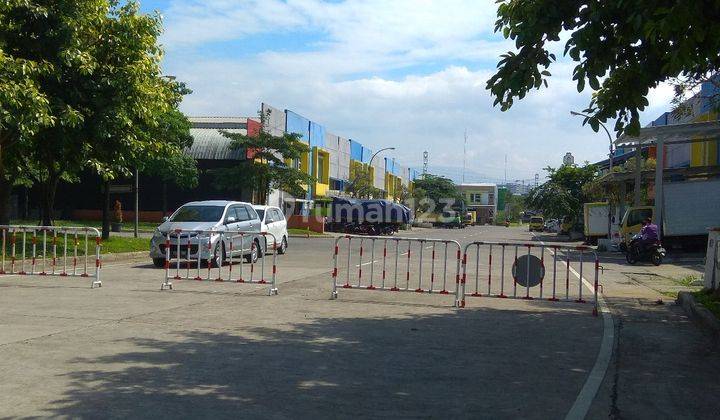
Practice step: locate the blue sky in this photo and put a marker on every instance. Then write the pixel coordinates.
(403, 73)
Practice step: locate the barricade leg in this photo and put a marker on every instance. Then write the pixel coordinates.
(334, 294)
(459, 288)
(98, 264)
(167, 283)
(273, 285)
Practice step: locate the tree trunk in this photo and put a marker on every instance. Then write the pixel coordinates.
(106, 212)
(49, 188)
(5, 189)
(164, 198)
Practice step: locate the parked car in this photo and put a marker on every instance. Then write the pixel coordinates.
(273, 221)
(537, 223)
(217, 216)
(552, 226)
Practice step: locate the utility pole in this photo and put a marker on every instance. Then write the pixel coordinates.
(137, 201)
(464, 155)
(505, 168)
(611, 158)
(426, 155)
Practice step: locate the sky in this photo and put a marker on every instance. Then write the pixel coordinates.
(410, 74)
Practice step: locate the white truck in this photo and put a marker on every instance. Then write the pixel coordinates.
(595, 222)
(690, 208)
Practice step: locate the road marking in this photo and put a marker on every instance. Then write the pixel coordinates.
(587, 394)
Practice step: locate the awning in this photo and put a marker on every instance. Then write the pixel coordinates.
(676, 133)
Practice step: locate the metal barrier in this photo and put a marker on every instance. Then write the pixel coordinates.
(44, 262)
(390, 277)
(527, 271)
(195, 247)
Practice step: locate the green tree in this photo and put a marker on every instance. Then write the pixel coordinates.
(514, 205)
(565, 191)
(60, 34)
(268, 168)
(133, 121)
(107, 99)
(622, 50)
(403, 195)
(361, 183)
(432, 192)
(178, 168)
(24, 110)
(35, 50)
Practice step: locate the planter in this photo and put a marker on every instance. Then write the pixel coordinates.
(116, 227)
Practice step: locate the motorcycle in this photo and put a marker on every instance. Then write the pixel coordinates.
(653, 252)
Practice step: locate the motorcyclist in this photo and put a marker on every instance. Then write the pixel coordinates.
(648, 235)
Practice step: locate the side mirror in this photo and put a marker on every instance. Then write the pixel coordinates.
(230, 219)
(165, 218)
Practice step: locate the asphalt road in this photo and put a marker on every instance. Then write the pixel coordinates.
(222, 350)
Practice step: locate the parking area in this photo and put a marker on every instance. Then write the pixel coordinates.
(229, 350)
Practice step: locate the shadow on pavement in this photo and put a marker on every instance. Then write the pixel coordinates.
(663, 366)
(474, 363)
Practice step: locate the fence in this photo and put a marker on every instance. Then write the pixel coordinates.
(397, 270)
(526, 278)
(186, 248)
(43, 259)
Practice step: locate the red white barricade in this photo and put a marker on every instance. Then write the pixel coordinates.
(520, 270)
(192, 255)
(397, 265)
(79, 246)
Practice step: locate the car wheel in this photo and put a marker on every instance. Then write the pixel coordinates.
(283, 246)
(218, 258)
(253, 256)
(159, 262)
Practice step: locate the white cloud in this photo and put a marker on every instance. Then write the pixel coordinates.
(194, 22)
(425, 111)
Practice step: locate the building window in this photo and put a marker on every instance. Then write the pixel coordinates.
(321, 169)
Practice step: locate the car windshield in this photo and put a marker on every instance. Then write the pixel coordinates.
(198, 214)
(536, 220)
(260, 213)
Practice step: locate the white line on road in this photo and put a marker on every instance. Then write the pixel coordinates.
(584, 400)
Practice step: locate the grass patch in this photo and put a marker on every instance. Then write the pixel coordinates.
(709, 300)
(672, 295)
(113, 245)
(303, 231)
(689, 281)
(119, 244)
(128, 226)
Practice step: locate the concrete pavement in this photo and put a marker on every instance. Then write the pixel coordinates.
(227, 350)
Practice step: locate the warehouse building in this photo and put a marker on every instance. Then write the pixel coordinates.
(332, 160)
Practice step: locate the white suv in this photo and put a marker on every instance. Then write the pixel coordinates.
(273, 221)
(198, 218)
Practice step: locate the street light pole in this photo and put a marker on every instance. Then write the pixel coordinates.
(355, 178)
(610, 170)
(580, 114)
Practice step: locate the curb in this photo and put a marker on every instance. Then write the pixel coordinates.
(310, 236)
(700, 315)
(124, 256)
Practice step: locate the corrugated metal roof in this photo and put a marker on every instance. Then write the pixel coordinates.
(210, 144)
